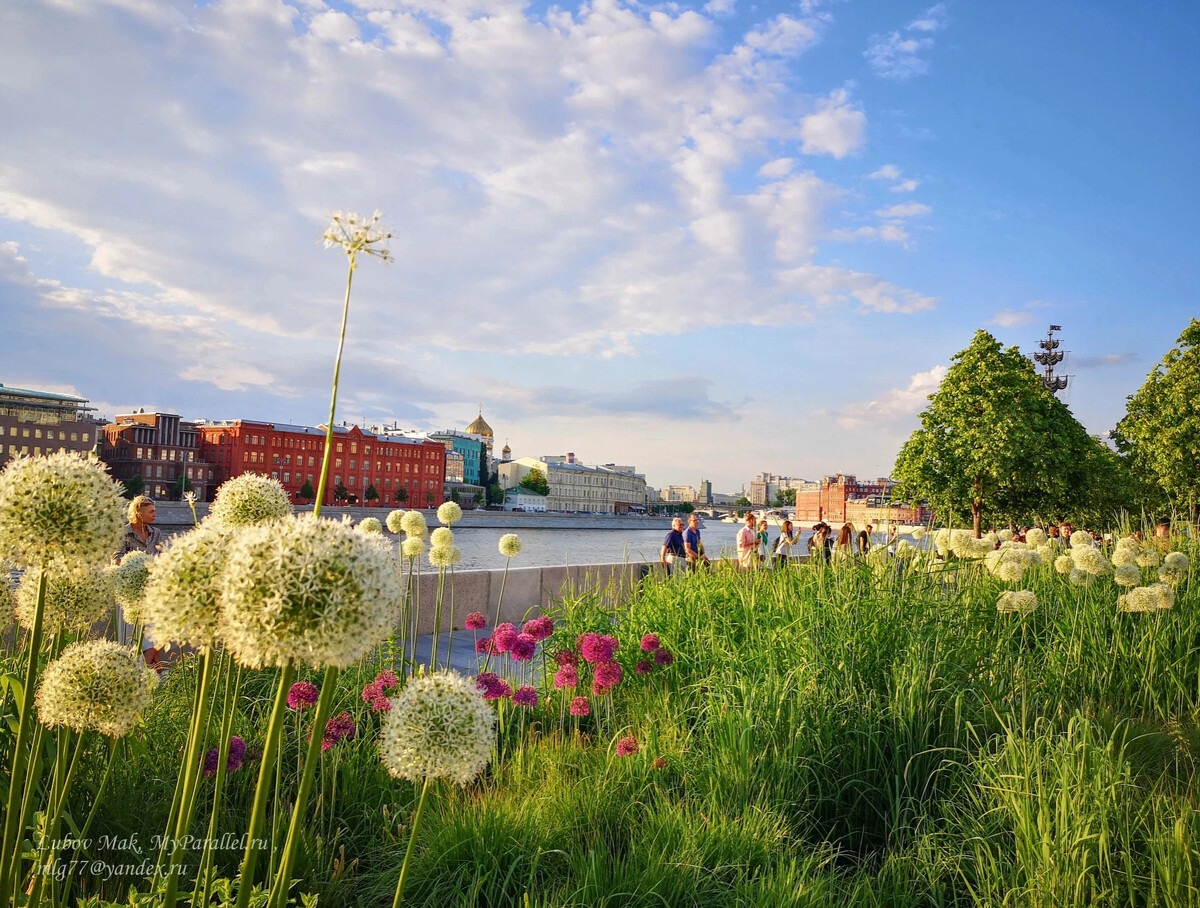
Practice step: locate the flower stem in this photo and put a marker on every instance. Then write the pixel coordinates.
(412, 841)
(337, 371)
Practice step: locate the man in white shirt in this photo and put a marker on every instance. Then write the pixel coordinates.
(747, 542)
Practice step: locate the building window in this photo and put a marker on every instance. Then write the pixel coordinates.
(354, 447)
(351, 480)
(287, 477)
(337, 461)
(339, 447)
(37, 433)
(158, 472)
(351, 463)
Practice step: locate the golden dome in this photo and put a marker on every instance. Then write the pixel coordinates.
(480, 426)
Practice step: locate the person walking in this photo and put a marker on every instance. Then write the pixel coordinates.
(783, 545)
(864, 540)
(845, 542)
(747, 542)
(693, 547)
(761, 536)
(672, 554)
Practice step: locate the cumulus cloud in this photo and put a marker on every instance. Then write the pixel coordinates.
(908, 210)
(837, 127)
(899, 54)
(1010, 318)
(894, 405)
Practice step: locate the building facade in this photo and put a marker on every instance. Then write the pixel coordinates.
(33, 423)
(522, 499)
(375, 470)
(829, 499)
(164, 450)
(576, 488)
(472, 448)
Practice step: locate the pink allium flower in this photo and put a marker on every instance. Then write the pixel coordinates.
(539, 628)
(302, 695)
(503, 691)
(525, 696)
(523, 648)
(566, 657)
(650, 643)
(492, 687)
(644, 667)
(237, 754)
(663, 657)
(611, 641)
(483, 646)
(608, 674)
(340, 728)
(567, 676)
(659, 763)
(580, 706)
(386, 679)
(627, 746)
(596, 648)
(476, 621)
(599, 690)
(382, 705)
(504, 636)
(372, 692)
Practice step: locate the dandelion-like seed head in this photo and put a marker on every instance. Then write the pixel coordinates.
(60, 509)
(413, 524)
(449, 513)
(412, 547)
(75, 599)
(439, 727)
(356, 235)
(99, 686)
(306, 590)
(510, 545)
(181, 599)
(1127, 575)
(371, 526)
(129, 578)
(1017, 601)
(248, 500)
(1036, 537)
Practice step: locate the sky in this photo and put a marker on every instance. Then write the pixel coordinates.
(707, 239)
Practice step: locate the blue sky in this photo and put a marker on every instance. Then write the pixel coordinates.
(707, 239)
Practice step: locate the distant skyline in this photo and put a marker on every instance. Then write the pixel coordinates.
(708, 239)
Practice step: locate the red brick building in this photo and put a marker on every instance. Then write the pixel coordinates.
(843, 497)
(161, 448)
(360, 461)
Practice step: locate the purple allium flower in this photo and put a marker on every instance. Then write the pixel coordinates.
(476, 621)
(580, 706)
(523, 648)
(607, 674)
(649, 643)
(611, 641)
(237, 748)
(372, 692)
(340, 728)
(503, 690)
(485, 680)
(237, 753)
(504, 636)
(381, 705)
(525, 696)
(539, 628)
(492, 687)
(567, 676)
(483, 646)
(596, 648)
(627, 746)
(599, 690)
(210, 762)
(302, 695)
(644, 667)
(386, 678)
(566, 657)
(663, 657)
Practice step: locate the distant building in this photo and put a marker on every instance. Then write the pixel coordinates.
(43, 422)
(164, 450)
(836, 499)
(766, 486)
(574, 487)
(523, 499)
(704, 494)
(678, 493)
(471, 447)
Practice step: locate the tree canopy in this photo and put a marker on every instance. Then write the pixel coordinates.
(1161, 428)
(995, 443)
(536, 481)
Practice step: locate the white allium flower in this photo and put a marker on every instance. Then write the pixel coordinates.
(1046, 551)
(1036, 537)
(449, 513)
(1082, 539)
(99, 685)
(1063, 564)
(1127, 575)
(941, 541)
(991, 540)
(306, 590)
(905, 549)
(1165, 595)
(438, 728)
(1021, 601)
(247, 500)
(510, 545)
(918, 533)
(1148, 558)
(1090, 559)
(395, 521)
(962, 543)
(1174, 569)
(182, 597)
(413, 524)
(129, 578)
(1009, 571)
(441, 538)
(1153, 598)
(412, 547)
(1080, 578)
(358, 234)
(1124, 554)
(444, 556)
(75, 599)
(371, 526)
(1005, 535)
(61, 509)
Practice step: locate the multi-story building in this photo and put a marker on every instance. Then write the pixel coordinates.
(704, 494)
(163, 450)
(375, 470)
(677, 493)
(828, 499)
(42, 422)
(574, 487)
(765, 486)
(472, 448)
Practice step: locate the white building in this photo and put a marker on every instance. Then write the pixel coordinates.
(576, 488)
(522, 499)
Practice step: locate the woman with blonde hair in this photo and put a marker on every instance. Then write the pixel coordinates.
(141, 535)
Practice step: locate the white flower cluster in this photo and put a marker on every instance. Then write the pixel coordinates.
(413, 524)
(449, 513)
(1127, 575)
(1005, 535)
(1080, 578)
(412, 547)
(1148, 557)
(1126, 551)
(129, 578)
(1063, 564)
(394, 521)
(99, 685)
(444, 556)
(306, 590)
(60, 509)
(510, 545)
(441, 538)
(1090, 560)
(438, 728)
(904, 549)
(1017, 601)
(356, 233)
(371, 526)
(75, 599)
(1174, 569)
(1082, 539)
(248, 500)
(1036, 537)
(918, 533)
(1011, 560)
(182, 597)
(1154, 598)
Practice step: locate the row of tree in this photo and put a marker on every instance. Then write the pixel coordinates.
(995, 444)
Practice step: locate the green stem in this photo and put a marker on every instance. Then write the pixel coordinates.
(337, 370)
(58, 801)
(10, 855)
(203, 882)
(262, 792)
(311, 761)
(437, 618)
(412, 841)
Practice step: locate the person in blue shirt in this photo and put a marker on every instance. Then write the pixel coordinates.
(692, 545)
(673, 554)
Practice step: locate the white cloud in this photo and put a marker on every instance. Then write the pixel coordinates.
(907, 210)
(886, 172)
(837, 128)
(1009, 318)
(893, 406)
(898, 54)
(828, 286)
(784, 36)
(905, 186)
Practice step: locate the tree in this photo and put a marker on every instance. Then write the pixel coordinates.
(134, 486)
(994, 442)
(306, 491)
(785, 497)
(339, 492)
(401, 496)
(536, 481)
(477, 498)
(429, 499)
(1161, 428)
(182, 484)
(454, 496)
(370, 494)
(495, 494)
(741, 502)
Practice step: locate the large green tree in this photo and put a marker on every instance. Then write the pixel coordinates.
(536, 481)
(1161, 428)
(995, 443)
